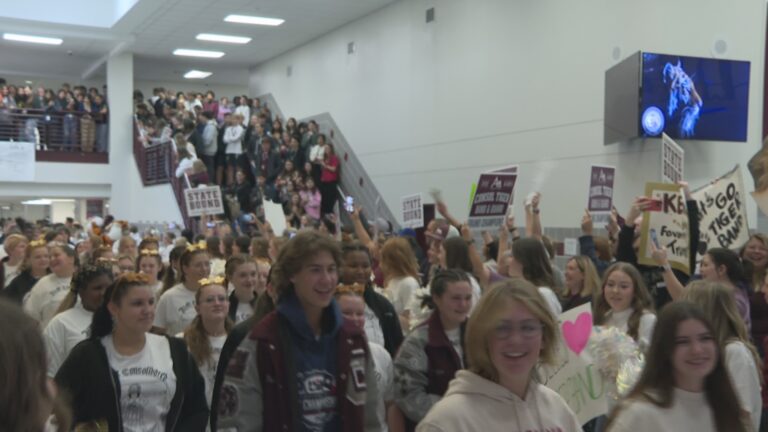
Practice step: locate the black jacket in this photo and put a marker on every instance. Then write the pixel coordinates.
(94, 388)
(652, 275)
(19, 287)
(388, 319)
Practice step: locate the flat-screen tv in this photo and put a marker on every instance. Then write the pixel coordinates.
(685, 97)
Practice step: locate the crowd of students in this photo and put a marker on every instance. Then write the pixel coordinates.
(77, 116)
(373, 332)
(245, 149)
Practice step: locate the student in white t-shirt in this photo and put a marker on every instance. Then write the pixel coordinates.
(741, 358)
(176, 307)
(124, 378)
(73, 320)
(401, 276)
(150, 263)
(352, 306)
(44, 299)
(243, 273)
(206, 335)
(684, 385)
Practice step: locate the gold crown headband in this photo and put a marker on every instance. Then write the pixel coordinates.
(200, 246)
(354, 289)
(149, 252)
(37, 243)
(216, 280)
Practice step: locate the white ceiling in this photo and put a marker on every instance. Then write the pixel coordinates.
(152, 29)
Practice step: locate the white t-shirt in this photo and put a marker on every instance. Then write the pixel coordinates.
(476, 292)
(157, 288)
(208, 369)
(372, 327)
(175, 309)
(10, 273)
(620, 320)
(45, 297)
(742, 370)
(384, 370)
(554, 304)
(218, 267)
(689, 412)
(63, 332)
(147, 383)
(399, 291)
(244, 311)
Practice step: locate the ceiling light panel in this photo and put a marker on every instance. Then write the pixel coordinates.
(32, 39)
(198, 53)
(196, 74)
(210, 37)
(255, 20)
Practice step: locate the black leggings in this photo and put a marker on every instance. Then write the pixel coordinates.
(328, 195)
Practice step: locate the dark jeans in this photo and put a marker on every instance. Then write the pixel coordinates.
(328, 196)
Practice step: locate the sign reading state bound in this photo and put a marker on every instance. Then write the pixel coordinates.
(204, 200)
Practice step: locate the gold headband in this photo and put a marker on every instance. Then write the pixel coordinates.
(149, 252)
(200, 246)
(216, 280)
(37, 243)
(354, 289)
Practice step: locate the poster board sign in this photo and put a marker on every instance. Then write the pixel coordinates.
(575, 377)
(93, 208)
(600, 200)
(491, 200)
(17, 161)
(667, 226)
(204, 200)
(412, 212)
(672, 158)
(722, 212)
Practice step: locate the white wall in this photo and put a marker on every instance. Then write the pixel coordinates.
(496, 82)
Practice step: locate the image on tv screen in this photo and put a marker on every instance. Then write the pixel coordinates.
(694, 98)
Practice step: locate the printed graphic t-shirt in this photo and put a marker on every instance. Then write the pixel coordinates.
(147, 383)
(175, 309)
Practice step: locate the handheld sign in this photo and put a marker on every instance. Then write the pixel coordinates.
(575, 376)
(204, 200)
(600, 200)
(491, 199)
(413, 215)
(666, 224)
(722, 213)
(672, 158)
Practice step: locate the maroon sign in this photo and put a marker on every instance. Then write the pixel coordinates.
(601, 189)
(491, 200)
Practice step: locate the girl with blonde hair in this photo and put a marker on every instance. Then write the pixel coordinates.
(510, 333)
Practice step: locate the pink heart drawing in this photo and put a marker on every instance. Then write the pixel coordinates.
(577, 333)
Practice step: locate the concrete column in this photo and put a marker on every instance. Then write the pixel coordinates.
(121, 162)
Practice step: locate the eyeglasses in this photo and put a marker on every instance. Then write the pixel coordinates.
(526, 329)
(214, 299)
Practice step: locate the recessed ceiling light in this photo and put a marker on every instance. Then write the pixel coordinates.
(198, 53)
(196, 74)
(32, 39)
(223, 38)
(245, 19)
(40, 201)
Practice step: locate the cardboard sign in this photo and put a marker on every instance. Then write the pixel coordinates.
(575, 376)
(666, 226)
(600, 200)
(672, 158)
(413, 215)
(17, 161)
(204, 200)
(491, 199)
(722, 213)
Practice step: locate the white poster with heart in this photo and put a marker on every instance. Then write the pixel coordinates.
(575, 376)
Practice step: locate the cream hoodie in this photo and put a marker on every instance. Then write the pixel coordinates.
(473, 403)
